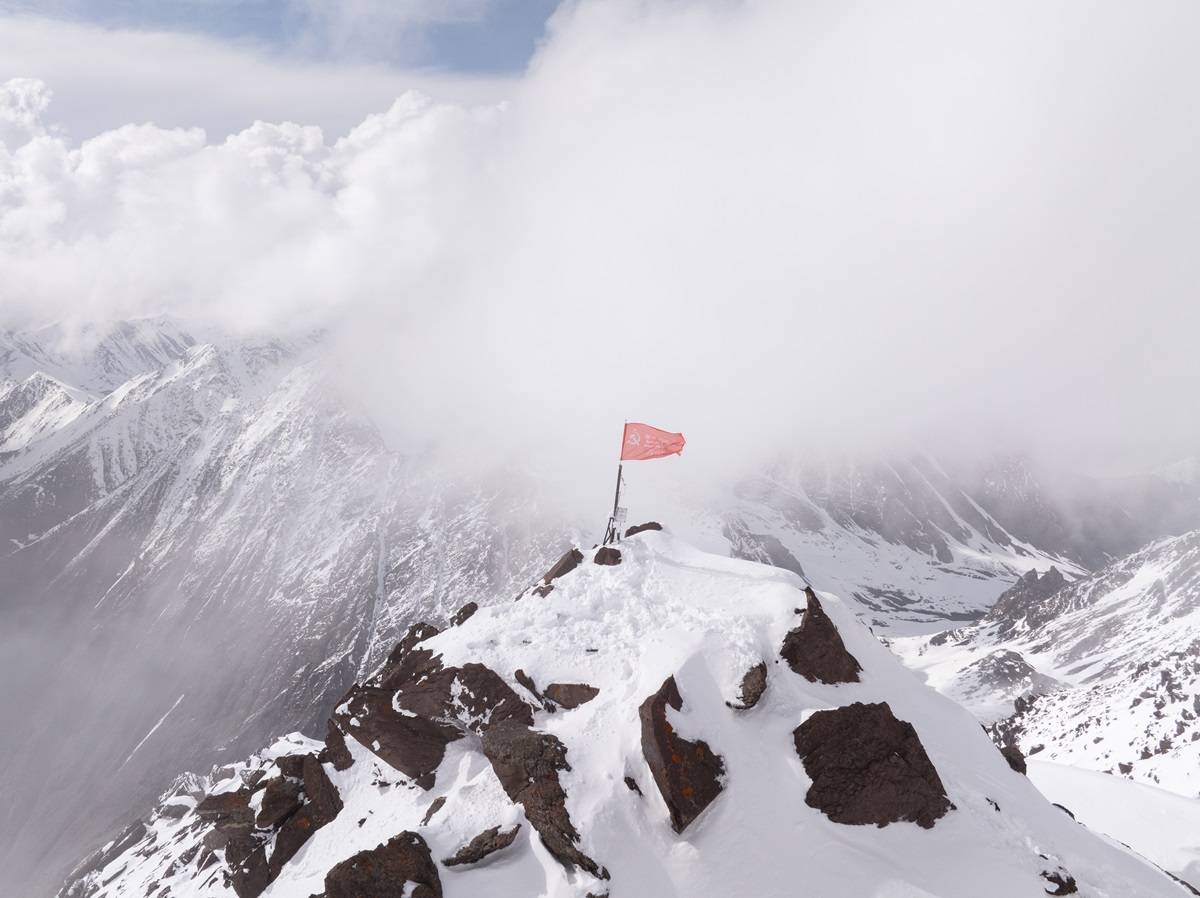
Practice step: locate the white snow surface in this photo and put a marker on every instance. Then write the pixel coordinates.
(1159, 825)
(669, 609)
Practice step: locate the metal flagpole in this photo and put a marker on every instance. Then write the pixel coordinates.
(610, 535)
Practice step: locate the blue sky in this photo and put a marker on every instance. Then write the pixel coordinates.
(467, 36)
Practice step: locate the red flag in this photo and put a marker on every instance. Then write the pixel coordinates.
(642, 442)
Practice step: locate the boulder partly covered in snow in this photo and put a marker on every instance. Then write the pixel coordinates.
(687, 773)
(869, 767)
(815, 649)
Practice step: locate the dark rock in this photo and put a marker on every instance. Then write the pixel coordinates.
(291, 765)
(413, 745)
(527, 763)
(486, 843)
(754, 684)
(567, 563)
(632, 785)
(686, 773)
(527, 681)
(386, 871)
(249, 873)
(1064, 809)
(1016, 760)
(335, 751)
(227, 808)
(869, 767)
(1126, 769)
(281, 798)
(640, 528)
(607, 555)
(437, 804)
(1061, 882)
(421, 707)
(321, 794)
(467, 696)
(815, 649)
(407, 661)
(571, 695)
(463, 614)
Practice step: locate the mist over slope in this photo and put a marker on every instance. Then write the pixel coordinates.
(206, 554)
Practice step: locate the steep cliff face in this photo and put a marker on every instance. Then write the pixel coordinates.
(1104, 671)
(452, 772)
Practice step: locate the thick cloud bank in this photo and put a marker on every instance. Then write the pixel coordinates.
(756, 222)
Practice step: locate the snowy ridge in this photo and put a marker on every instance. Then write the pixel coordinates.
(904, 542)
(1113, 660)
(663, 610)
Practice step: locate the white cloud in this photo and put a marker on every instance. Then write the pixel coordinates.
(105, 78)
(754, 222)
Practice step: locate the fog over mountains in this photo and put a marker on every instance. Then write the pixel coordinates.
(207, 541)
(917, 284)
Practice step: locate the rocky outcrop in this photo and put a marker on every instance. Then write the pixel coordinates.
(688, 774)
(607, 555)
(641, 528)
(335, 751)
(567, 563)
(281, 798)
(486, 843)
(1014, 757)
(867, 766)
(527, 763)
(571, 695)
(754, 684)
(416, 707)
(463, 614)
(295, 804)
(815, 649)
(401, 866)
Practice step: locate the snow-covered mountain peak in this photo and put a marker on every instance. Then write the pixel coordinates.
(647, 720)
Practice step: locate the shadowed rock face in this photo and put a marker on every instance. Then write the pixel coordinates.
(415, 707)
(571, 695)
(463, 614)
(641, 528)
(527, 764)
(815, 649)
(567, 563)
(607, 555)
(386, 872)
(1016, 760)
(754, 684)
(486, 843)
(688, 774)
(294, 806)
(335, 751)
(869, 767)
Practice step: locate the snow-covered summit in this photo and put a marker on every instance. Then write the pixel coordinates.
(646, 721)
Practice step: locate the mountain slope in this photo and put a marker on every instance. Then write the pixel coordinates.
(1113, 661)
(1157, 824)
(643, 778)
